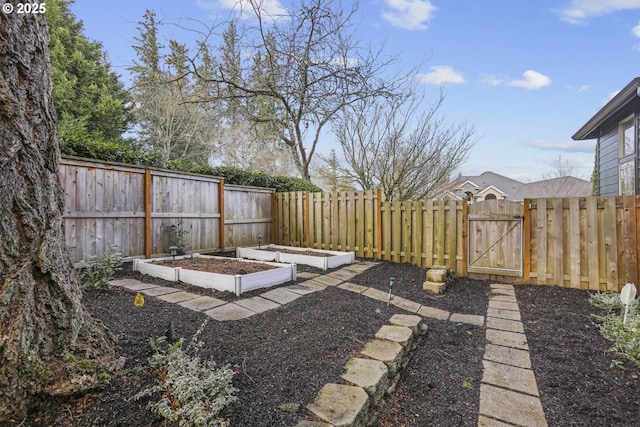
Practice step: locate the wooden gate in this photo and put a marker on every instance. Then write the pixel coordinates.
(495, 238)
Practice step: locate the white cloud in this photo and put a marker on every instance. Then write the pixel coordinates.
(580, 11)
(531, 80)
(587, 146)
(491, 80)
(270, 9)
(636, 30)
(441, 74)
(409, 14)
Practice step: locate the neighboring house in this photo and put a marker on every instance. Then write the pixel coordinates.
(615, 127)
(486, 186)
(490, 185)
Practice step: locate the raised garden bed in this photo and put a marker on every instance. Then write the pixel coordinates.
(314, 257)
(220, 273)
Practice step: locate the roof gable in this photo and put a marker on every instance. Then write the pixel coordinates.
(620, 106)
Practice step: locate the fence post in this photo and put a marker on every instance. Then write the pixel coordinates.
(379, 224)
(464, 226)
(148, 235)
(305, 215)
(526, 243)
(274, 218)
(221, 208)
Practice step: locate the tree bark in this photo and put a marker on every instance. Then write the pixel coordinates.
(42, 320)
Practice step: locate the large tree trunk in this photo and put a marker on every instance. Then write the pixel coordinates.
(41, 318)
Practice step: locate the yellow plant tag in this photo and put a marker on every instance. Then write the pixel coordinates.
(139, 300)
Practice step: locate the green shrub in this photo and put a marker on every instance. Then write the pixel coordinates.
(99, 272)
(191, 392)
(121, 152)
(112, 151)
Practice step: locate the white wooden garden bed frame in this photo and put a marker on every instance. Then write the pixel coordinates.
(238, 283)
(335, 260)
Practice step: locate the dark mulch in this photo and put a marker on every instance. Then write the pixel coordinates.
(286, 355)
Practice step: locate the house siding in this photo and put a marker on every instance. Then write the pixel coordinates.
(608, 169)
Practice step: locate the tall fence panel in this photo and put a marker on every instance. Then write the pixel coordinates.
(143, 211)
(188, 205)
(102, 205)
(586, 243)
(422, 233)
(247, 215)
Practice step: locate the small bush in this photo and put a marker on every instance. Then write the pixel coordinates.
(99, 272)
(192, 392)
(625, 337)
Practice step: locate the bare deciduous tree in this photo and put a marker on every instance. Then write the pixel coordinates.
(395, 145)
(313, 68)
(561, 167)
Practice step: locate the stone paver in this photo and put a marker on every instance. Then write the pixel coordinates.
(371, 375)
(341, 405)
(501, 305)
(280, 295)
(505, 324)
(177, 297)
(342, 275)
(313, 283)
(504, 314)
(434, 313)
(257, 304)
(229, 312)
(377, 294)
(132, 284)
(159, 290)
(353, 287)
(400, 334)
(507, 339)
(502, 291)
(306, 275)
(301, 289)
(510, 377)
(202, 303)
(505, 298)
(405, 304)
(385, 351)
(522, 409)
(329, 281)
(484, 421)
(407, 320)
(472, 319)
(512, 356)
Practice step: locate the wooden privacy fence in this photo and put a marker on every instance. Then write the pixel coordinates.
(423, 233)
(587, 243)
(139, 209)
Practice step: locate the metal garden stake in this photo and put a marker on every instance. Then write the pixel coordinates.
(391, 279)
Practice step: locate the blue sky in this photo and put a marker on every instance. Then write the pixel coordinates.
(526, 73)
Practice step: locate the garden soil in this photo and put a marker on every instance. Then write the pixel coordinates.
(284, 356)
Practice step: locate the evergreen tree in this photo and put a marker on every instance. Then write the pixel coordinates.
(90, 100)
(167, 114)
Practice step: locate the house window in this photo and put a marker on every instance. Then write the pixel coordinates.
(490, 196)
(627, 178)
(626, 137)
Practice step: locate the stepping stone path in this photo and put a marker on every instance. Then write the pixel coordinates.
(508, 393)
